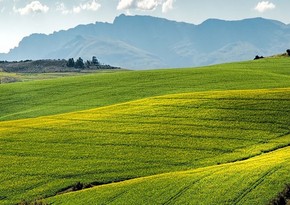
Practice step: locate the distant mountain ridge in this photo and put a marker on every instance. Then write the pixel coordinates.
(145, 42)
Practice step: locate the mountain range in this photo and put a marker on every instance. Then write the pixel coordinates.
(145, 42)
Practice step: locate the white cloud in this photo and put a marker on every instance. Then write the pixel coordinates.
(145, 5)
(264, 6)
(76, 9)
(62, 8)
(125, 4)
(167, 6)
(88, 6)
(91, 6)
(33, 7)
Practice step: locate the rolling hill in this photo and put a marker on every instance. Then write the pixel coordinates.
(91, 91)
(210, 135)
(143, 42)
(254, 181)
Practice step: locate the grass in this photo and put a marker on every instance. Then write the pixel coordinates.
(254, 181)
(41, 156)
(194, 124)
(9, 77)
(29, 99)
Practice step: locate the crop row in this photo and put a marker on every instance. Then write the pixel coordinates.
(41, 156)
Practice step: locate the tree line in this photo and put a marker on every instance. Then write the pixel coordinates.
(71, 63)
(79, 63)
(260, 57)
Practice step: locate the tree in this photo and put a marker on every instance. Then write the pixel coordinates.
(95, 61)
(88, 64)
(79, 63)
(71, 63)
(258, 57)
(288, 52)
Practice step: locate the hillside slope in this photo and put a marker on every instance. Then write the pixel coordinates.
(44, 155)
(255, 181)
(104, 128)
(30, 99)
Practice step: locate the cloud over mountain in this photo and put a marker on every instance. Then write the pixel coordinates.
(167, 5)
(92, 5)
(88, 6)
(32, 7)
(264, 6)
(145, 5)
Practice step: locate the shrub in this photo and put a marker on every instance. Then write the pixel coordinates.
(282, 197)
(258, 57)
(35, 202)
(78, 186)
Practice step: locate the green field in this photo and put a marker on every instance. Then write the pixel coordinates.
(250, 182)
(9, 77)
(22, 100)
(212, 135)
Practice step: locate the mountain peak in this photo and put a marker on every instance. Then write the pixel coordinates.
(256, 19)
(143, 19)
(143, 42)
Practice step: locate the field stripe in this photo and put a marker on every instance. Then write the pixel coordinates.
(254, 185)
(180, 192)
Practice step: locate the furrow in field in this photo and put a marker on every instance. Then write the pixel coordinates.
(254, 185)
(231, 183)
(142, 138)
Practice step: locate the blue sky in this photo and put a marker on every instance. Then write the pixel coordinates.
(20, 18)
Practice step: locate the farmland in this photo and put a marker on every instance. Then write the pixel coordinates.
(10, 77)
(29, 99)
(164, 137)
(252, 181)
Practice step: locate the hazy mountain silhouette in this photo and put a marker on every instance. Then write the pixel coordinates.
(144, 42)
